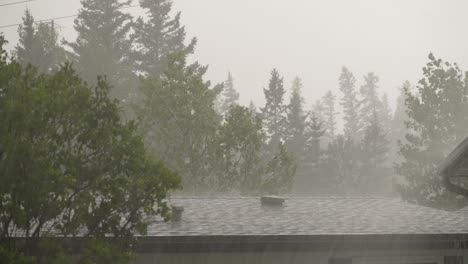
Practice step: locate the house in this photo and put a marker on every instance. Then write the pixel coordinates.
(341, 230)
(454, 169)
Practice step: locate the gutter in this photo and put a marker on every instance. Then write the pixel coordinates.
(263, 243)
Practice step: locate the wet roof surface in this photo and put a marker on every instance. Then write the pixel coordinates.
(308, 216)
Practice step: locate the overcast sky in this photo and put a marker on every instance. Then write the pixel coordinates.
(305, 38)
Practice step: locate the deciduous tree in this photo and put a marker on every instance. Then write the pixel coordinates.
(437, 121)
(71, 167)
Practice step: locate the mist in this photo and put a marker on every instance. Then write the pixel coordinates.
(266, 128)
(309, 39)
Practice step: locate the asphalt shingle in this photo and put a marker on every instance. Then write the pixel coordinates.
(308, 216)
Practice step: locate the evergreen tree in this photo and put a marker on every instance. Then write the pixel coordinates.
(437, 121)
(38, 45)
(179, 121)
(252, 108)
(400, 115)
(370, 102)
(374, 154)
(340, 165)
(318, 110)
(158, 36)
(385, 114)
(350, 104)
(103, 45)
(329, 114)
(230, 96)
(385, 121)
(274, 112)
(314, 133)
(240, 143)
(279, 172)
(26, 50)
(296, 121)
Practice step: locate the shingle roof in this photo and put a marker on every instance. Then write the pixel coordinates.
(308, 216)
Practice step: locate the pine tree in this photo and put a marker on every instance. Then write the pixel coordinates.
(279, 172)
(158, 36)
(240, 142)
(340, 165)
(374, 145)
(274, 112)
(253, 108)
(370, 102)
(314, 134)
(38, 45)
(350, 103)
(329, 114)
(26, 49)
(296, 121)
(103, 45)
(400, 115)
(180, 123)
(230, 96)
(437, 121)
(384, 115)
(53, 54)
(318, 110)
(374, 151)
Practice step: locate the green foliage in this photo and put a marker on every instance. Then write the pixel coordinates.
(274, 112)
(329, 115)
(240, 145)
(374, 152)
(27, 47)
(183, 129)
(400, 116)
(106, 251)
(350, 104)
(340, 164)
(314, 134)
(103, 46)
(296, 122)
(70, 166)
(157, 37)
(39, 45)
(13, 257)
(279, 172)
(437, 121)
(3, 53)
(370, 102)
(374, 144)
(229, 97)
(179, 120)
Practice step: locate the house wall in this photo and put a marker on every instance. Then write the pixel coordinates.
(303, 257)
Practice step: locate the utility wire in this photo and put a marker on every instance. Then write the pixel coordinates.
(15, 3)
(56, 18)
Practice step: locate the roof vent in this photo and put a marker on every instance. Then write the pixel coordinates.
(177, 213)
(275, 201)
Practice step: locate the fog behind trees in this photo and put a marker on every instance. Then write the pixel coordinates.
(302, 97)
(310, 39)
(105, 118)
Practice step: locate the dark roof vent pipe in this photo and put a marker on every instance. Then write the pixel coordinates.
(272, 201)
(177, 213)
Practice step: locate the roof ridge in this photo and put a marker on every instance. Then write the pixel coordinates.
(291, 197)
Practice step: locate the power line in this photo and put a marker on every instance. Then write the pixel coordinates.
(39, 21)
(15, 3)
(56, 18)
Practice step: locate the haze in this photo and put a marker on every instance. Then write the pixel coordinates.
(309, 39)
